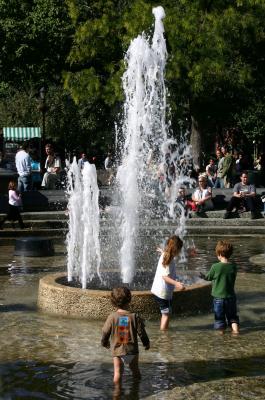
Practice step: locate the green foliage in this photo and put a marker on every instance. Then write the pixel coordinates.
(96, 54)
(214, 54)
(210, 47)
(215, 69)
(252, 121)
(18, 108)
(34, 41)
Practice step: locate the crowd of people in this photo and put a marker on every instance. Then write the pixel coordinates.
(33, 176)
(230, 170)
(243, 198)
(225, 170)
(30, 177)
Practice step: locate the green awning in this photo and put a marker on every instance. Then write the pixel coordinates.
(21, 133)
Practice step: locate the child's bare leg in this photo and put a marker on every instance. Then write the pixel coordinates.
(116, 395)
(134, 367)
(164, 322)
(235, 328)
(118, 369)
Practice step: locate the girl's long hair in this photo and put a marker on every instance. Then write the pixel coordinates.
(12, 185)
(172, 249)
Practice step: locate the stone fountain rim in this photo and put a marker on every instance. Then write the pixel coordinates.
(51, 280)
(94, 304)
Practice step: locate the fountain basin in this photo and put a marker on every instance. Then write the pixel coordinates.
(258, 259)
(56, 298)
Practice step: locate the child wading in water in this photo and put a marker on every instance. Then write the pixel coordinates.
(223, 276)
(14, 203)
(123, 327)
(165, 279)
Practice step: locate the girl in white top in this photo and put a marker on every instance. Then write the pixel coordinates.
(165, 279)
(14, 203)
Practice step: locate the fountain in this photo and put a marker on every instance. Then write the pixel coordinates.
(144, 210)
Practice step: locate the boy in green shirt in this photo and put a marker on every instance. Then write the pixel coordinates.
(223, 276)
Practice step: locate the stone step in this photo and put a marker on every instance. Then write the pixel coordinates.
(10, 240)
(63, 215)
(221, 213)
(39, 224)
(56, 220)
(17, 232)
(226, 222)
(62, 222)
(42, 215)
(235, 230)
(8, 235)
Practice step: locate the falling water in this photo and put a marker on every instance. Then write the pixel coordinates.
(83, 248)
(145, 136)
(145, 146)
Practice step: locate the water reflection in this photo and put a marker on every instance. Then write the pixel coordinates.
(36, 380)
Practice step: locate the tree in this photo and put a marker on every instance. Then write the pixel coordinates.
(35, 38)
(216, 56)
(103, 31)
(215, 60)
(214, 72)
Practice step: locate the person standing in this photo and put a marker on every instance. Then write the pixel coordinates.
(82, 160)
(223, 275)
(14, 204)
(219, 182)
(109, 167)
(123, 328)
(165, 279)
(23, 165)
(228, 167)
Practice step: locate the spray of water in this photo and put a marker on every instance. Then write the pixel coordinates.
(145, 149)
(83, 247)
(146, 143)
(144, 129)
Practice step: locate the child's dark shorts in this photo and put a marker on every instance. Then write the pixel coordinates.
(225, 312)
(164, 305)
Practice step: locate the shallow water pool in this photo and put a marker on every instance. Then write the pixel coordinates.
(46, 357)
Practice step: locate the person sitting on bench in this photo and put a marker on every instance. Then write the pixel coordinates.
(53, 169)
(243, 198)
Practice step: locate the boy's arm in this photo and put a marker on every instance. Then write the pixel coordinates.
(209, 276)
(142, 333)
(106, 332)
(105, 340)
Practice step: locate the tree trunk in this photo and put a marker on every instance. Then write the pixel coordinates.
(195, 141)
